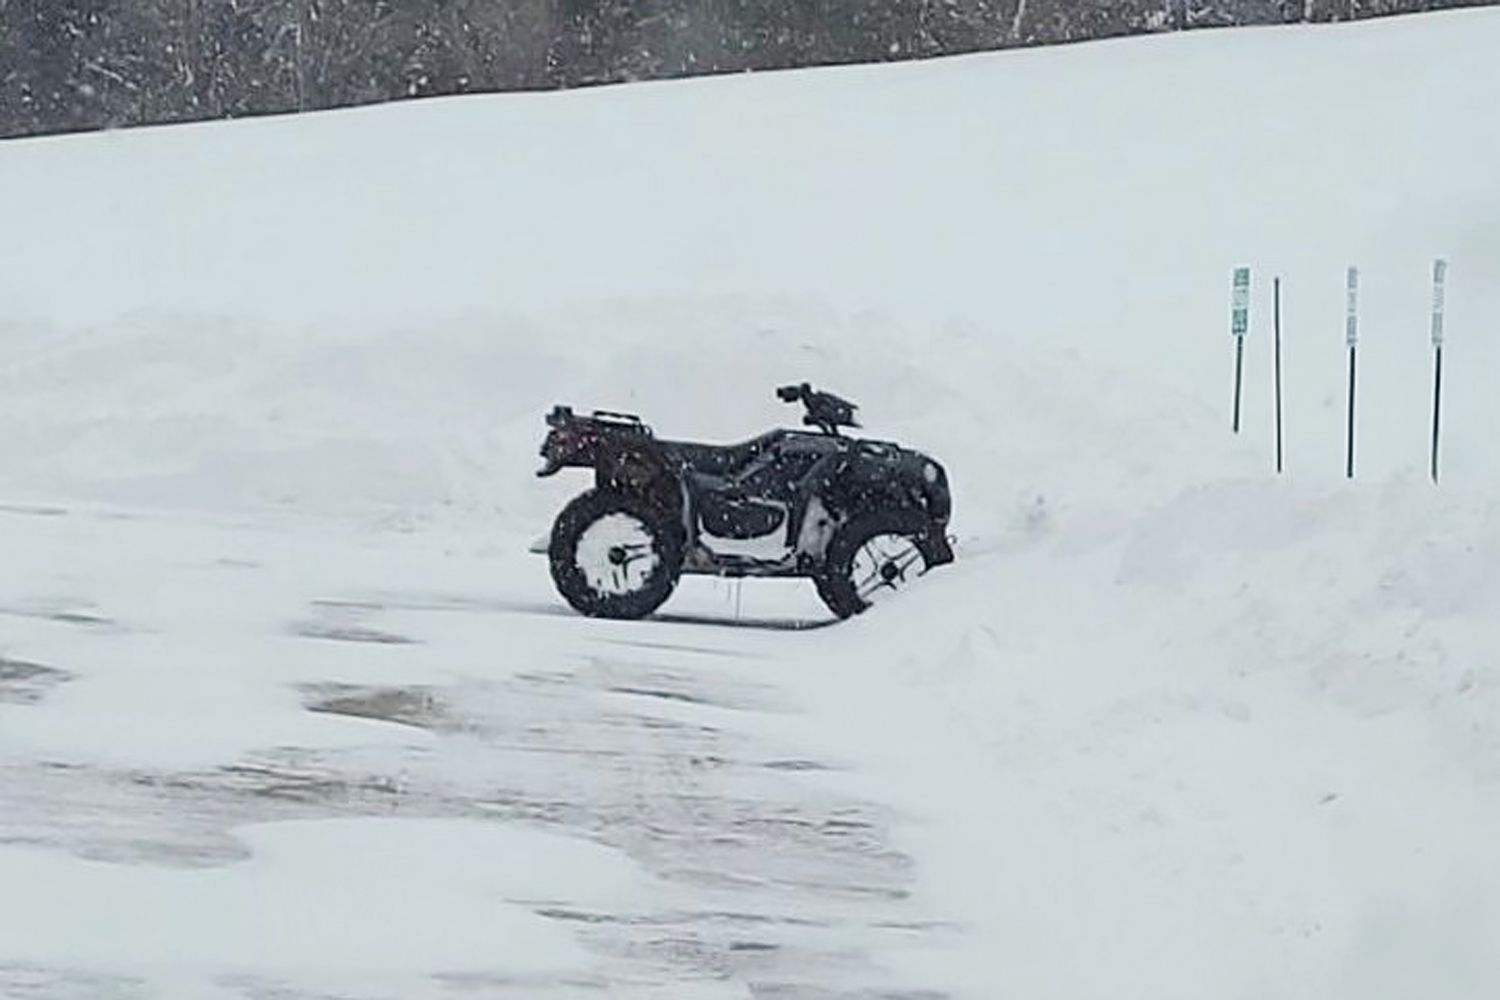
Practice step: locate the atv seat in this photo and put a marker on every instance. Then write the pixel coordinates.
(722, 461)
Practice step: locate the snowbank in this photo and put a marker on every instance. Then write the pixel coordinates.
(1171, 727)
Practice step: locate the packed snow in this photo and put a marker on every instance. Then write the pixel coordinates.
(287, 710)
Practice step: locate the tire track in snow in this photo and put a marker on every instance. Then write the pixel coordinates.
(780, 887)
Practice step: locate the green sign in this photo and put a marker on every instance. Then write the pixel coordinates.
(1351, 307)
(1240, 323)
(1439, 283)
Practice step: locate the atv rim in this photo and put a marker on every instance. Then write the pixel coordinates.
(617, 555)
(885, 565)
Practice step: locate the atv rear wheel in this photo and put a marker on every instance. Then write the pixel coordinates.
(873, 556)
(615, 554)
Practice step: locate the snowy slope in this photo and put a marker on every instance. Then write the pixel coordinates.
(1170, 728)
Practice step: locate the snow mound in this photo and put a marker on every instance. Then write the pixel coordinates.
(1171, 727)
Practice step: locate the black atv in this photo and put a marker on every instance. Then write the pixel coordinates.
(862, 519)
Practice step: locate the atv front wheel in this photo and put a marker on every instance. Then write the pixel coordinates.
(614, 554)
(873, 556)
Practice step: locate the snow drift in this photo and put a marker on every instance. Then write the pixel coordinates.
(1172, 727)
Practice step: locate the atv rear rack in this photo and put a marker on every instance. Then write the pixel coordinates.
(562, 416)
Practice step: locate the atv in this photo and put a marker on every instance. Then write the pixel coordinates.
(862, 519)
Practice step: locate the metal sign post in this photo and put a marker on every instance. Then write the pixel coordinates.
(1280, 465)
(1239, 325)
(1439, 293)
(1351, 336)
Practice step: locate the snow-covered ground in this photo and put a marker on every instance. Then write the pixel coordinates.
(286, 710)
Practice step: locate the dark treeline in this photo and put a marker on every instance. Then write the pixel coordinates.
(81, 64)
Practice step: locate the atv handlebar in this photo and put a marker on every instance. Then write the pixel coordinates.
(825, 411)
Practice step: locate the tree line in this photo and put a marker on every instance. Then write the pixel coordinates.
(69, 65)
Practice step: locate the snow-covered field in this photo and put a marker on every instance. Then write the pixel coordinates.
(286, 711)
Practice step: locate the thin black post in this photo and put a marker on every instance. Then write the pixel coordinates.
(1439, 281)
(1239, 374)
(1349, 450)
(1279, 462)
(1437, 405)
(1351, 337)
